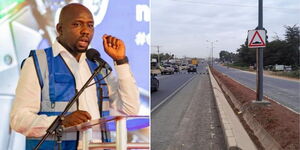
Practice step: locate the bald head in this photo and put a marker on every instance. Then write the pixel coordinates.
(75, 28)
(72, 9)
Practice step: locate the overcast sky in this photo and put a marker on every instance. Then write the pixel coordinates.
(182, 27)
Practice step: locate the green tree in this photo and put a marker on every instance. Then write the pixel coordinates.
(246, 56)
(274, 53)
(226, 56)
(292, 45)
(162, 56)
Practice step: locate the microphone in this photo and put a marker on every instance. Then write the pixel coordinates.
(93, 55)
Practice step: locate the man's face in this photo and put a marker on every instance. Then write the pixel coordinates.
(77, 30)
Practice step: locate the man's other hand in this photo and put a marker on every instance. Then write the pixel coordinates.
(114, 47)
(75, 118)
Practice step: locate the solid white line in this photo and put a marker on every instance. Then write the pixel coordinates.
(172, 94)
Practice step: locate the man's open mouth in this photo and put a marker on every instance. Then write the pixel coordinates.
(83, 42)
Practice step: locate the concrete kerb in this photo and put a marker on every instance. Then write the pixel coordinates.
(235, 135)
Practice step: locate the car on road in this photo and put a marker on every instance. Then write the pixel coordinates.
(176, 68)
(155, 68)
(154, 83)
(167, 69)
(192, 68)
(184, 67)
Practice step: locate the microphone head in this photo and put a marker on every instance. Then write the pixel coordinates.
(92, 54)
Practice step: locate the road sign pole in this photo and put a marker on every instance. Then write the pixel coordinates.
(259, 60)
(259, 54)
(259, 82)
(257, 39)
(260, 14)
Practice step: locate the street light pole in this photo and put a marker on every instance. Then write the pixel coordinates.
(158, 55)
(212, 54)
(212, 51)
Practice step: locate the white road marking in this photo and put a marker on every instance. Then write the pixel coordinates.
(172, 94)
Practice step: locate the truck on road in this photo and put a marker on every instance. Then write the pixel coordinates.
(194, 61)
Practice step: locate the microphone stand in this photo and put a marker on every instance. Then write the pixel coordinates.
(56, 126)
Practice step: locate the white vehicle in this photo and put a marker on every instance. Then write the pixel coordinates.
(167, 69)
(155, 69)
(184, 66)
(279, 67)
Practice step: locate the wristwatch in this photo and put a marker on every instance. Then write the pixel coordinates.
(122, 61)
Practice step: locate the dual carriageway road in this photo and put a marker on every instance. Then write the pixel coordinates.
(188, 119)
(184, 114)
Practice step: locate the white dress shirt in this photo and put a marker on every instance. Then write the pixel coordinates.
(123, 93)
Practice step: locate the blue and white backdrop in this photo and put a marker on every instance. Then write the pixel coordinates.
(30, 24)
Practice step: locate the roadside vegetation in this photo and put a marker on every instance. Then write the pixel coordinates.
(290, 74)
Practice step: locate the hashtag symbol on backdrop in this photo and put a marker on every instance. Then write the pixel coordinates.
(141, 38)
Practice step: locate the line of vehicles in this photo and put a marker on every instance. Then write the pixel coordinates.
(170, 67)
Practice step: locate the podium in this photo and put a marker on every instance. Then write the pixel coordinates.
(116, 130)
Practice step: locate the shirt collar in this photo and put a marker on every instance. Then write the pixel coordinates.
(59, 49)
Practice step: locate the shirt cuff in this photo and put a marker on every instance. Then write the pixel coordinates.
(123, 71)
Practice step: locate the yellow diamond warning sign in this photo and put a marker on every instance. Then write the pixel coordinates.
(256, 38)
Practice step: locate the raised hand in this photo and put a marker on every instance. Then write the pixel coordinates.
(114, 47)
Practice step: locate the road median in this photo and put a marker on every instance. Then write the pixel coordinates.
(235, 135)
(270, 127)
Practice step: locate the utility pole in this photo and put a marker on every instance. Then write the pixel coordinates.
(157, 47)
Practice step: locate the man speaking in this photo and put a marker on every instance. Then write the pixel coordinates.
(51, 77)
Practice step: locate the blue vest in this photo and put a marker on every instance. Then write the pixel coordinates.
(58, 86)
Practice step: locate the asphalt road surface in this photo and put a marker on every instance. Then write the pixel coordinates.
(285, 92)
(189, 119)
(169, 83)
